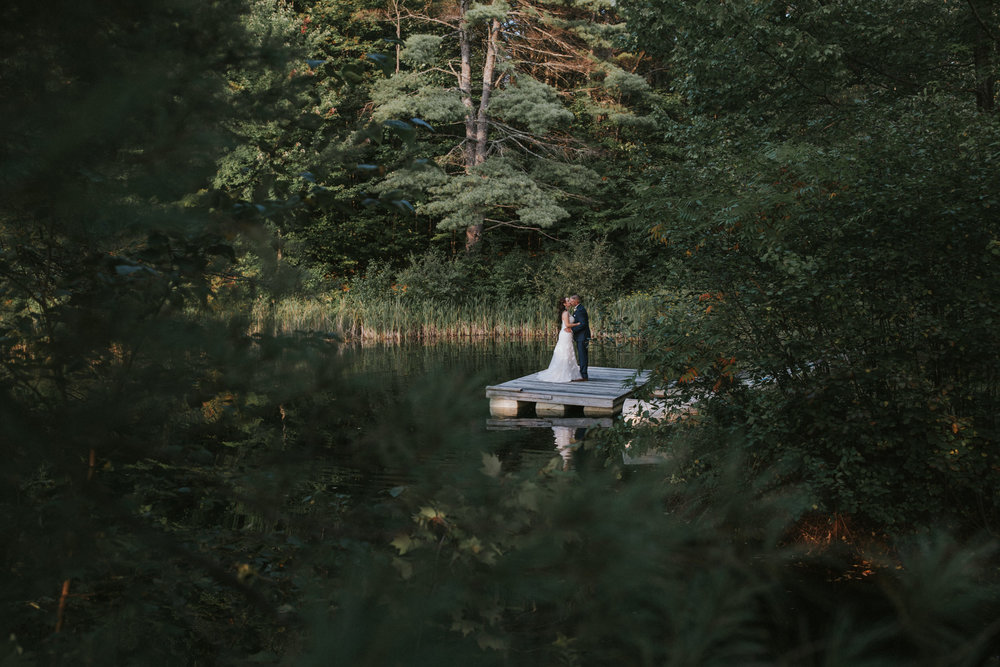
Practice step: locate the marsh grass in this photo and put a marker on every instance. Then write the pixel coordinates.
(399, 317)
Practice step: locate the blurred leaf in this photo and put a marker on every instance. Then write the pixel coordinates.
(422, 123)
(491, 465)
(403, 543)
(387, 64)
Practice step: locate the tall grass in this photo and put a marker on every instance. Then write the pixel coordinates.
(398, 317)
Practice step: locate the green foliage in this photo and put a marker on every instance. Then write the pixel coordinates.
(773, 56)
(490, 191)
(183, 448)
(406, 95)
(510, 278)
(532, 105)
(596, 571)
(839, 251)
(625, 84)
(434, 277)
(498, 142)
(588, 269)
(422, 49)
(479, 13)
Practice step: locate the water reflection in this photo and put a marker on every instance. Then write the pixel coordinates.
(495, 360)
(399, 383)
(566, 437)
(568, 433)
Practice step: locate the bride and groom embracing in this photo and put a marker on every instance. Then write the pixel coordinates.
(574, 331)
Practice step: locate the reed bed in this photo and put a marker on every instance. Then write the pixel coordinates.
(397, 318)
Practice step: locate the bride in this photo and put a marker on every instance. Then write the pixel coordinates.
(563, 367)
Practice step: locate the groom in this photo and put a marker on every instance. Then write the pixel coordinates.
(581, 333)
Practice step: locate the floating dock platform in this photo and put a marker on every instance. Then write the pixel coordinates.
(601, 396)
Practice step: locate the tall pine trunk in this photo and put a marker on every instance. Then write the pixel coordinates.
(476, 119)
(489, 64)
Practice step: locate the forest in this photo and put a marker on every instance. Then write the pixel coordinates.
(788, 210)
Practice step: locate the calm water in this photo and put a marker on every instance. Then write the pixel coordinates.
(401, 369)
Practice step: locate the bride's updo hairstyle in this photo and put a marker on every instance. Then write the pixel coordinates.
(560, 307)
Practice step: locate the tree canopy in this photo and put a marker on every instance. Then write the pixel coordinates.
(832, 208)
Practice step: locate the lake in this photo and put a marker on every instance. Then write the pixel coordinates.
(396, 376)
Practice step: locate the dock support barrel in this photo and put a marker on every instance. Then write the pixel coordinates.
(550, 409)
(508, 407)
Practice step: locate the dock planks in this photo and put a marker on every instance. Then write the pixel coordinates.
(602, 395)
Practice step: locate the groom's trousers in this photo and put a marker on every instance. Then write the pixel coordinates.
(582, 345)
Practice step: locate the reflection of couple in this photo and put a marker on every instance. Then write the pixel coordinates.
(574, 331)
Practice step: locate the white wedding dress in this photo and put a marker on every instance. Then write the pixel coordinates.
(563, 367)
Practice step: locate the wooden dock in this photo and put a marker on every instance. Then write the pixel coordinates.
(601, 396)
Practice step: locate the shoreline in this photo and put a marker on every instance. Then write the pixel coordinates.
(396, 321)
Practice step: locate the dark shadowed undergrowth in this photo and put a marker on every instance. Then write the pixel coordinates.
(226, 539)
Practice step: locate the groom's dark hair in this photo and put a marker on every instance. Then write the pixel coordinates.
(576, 296)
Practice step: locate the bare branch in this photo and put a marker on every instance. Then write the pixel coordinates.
(504, 223)
(429, 19)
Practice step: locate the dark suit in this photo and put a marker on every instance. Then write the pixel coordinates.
(581, 337)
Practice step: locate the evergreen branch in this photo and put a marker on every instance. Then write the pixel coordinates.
(534, 24)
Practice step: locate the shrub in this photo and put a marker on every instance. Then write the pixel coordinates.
(434, 277)
(588, 269)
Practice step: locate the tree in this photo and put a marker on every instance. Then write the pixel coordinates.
(500, 75)
(295, 169)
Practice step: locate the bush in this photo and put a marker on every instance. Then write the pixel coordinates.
(375, 284)
(511, 277)
(588, 269)
(434, 277)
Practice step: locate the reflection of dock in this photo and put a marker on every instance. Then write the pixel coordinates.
(508, 423)
(601, 396)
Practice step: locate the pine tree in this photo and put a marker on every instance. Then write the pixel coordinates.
(496, 83)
